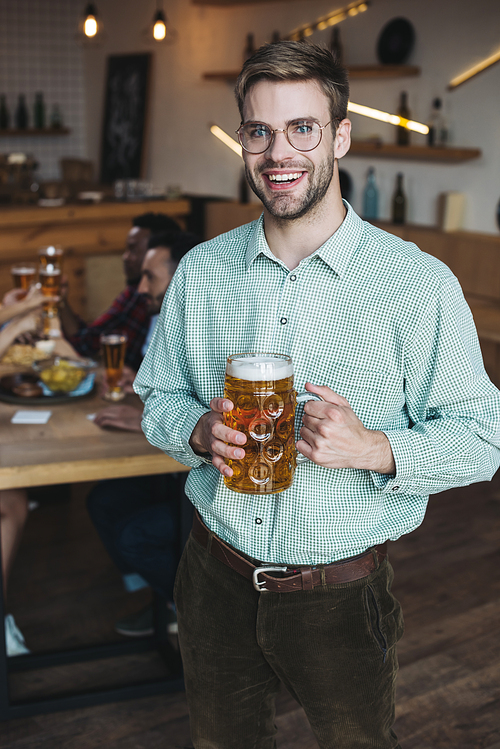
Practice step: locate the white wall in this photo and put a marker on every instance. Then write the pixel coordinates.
(451, 35)
(38, 53)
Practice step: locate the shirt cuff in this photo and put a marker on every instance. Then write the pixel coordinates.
(403, 481)
(186, 429)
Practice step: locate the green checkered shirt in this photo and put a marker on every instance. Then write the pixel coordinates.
(375, 319)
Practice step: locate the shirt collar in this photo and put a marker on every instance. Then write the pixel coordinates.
(336, 252)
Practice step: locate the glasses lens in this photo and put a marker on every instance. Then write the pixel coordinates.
(304, 135)
(255, 137)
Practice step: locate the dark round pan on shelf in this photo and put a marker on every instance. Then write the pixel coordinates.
(396, 41)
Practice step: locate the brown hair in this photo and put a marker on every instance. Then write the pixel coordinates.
(296, 61)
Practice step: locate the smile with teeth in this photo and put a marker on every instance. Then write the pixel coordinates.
(284, 177)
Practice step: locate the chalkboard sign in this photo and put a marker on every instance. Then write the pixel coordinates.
(125, 116)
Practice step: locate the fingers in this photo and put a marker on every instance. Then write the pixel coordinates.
(221, 405)
(327, 394)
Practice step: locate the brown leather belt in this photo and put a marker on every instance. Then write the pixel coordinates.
(297, 577)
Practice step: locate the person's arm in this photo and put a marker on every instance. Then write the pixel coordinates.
(14, 307)
(454, 409)
(123, 417)
(171, 406)
(25, 324)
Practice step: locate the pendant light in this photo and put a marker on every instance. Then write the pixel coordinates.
(90, 28)
(160, 31)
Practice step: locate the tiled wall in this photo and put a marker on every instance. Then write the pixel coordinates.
(38, 52)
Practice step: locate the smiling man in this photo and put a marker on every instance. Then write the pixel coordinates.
(382, 333)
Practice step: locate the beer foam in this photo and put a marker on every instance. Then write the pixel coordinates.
(254, 368)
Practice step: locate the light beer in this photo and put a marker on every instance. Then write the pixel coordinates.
(50, 280)
(50, 257)
(114, 346)
(23, 277)
(261, 389)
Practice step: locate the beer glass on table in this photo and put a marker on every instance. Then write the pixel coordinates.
(50, 257)
(50, 279)
(260, 386)
(23, 277)
(114, 346)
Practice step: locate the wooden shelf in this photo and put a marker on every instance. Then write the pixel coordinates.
(227, 3)
(382, 71)
(11, 131)
(413, 153)
(356, 72)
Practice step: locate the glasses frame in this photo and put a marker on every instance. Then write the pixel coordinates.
(285, 131)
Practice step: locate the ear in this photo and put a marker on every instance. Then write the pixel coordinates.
(342, 141)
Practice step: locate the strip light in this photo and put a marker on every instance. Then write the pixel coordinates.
(375, 114)
(226, 139)
(488, 62)
(392, 119)
(336, 16)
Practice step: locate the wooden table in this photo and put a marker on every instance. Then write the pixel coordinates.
(71, 448)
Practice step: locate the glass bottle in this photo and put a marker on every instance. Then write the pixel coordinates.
(438, 130)
(55, 116)
(4, 113)
(403, 134)
(249, 47)
(335, 46)
(370, 196)
(21, 113)
(39, 112)
(399, 202)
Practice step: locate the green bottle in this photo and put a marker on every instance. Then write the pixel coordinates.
(4, 113)
(39, 112)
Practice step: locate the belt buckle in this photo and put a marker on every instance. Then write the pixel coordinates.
(259, 586)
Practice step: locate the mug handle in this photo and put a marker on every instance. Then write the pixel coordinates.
(303, 398)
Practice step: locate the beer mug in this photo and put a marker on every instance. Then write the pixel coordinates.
(23, 277)
(260, 387)
(50, 257)
(114, 346)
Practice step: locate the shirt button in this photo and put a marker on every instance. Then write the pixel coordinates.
(258, 521)
(283, 321)
(293, 278)
(395, 488)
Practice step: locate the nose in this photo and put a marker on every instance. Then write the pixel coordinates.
(280, 149)
(143, 286)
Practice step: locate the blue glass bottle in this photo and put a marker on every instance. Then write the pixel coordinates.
(370, 196)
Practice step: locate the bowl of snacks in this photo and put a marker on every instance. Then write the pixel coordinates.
(62, 375)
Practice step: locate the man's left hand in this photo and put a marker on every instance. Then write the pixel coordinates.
(334, 437)
(120, 417)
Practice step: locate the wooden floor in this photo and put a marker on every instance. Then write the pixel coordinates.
(65, 592)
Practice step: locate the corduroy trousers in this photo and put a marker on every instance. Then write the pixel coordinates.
(333, 647)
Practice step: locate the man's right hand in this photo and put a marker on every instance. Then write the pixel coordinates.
(210, 435)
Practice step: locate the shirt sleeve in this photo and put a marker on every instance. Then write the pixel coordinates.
(453, 437)
(171, 406)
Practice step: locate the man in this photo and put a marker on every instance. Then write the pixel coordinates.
(128, 313)
(136, 517)
(381, 332)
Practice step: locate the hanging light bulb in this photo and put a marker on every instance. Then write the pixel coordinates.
(90, 27)
(159, 26)
(160, 30)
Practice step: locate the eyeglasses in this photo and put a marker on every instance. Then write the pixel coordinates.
(303, 135)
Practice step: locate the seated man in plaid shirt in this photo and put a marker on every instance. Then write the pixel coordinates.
(129, 312)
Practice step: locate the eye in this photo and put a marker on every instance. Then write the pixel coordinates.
(257, 130)
(303, 127)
